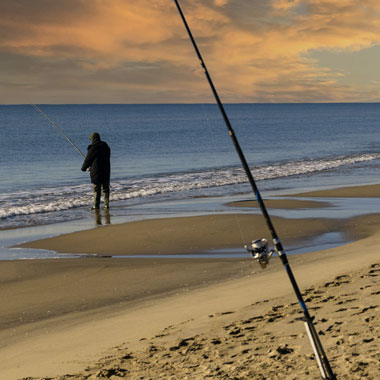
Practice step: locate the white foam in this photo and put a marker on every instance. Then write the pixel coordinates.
(47, 200)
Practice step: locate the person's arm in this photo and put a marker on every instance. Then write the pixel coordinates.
(89, 159)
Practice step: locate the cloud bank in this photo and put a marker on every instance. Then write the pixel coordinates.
(120, 51)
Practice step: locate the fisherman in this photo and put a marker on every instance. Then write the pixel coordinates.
(98, 160)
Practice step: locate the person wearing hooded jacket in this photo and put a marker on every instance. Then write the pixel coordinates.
(98, 160)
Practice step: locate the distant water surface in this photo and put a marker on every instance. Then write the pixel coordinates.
(173, 152)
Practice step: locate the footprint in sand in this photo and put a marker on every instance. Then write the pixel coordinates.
(339, 280)
(327, 299)
(365, 309)
(334, 327)
(343, 302)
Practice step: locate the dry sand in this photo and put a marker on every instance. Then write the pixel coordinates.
(102, 318)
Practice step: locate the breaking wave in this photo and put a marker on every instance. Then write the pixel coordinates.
(47, 200)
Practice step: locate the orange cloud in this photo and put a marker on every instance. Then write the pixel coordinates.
(221, 3)
(279, 50)
(285, 4)
(255, 51)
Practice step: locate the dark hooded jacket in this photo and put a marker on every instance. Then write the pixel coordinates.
(98, 160)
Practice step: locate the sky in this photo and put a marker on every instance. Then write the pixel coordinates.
(137, 51)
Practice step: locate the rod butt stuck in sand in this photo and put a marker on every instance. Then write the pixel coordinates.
(259, 250)
(57, 128)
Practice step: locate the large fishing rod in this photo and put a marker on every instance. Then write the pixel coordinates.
(57, 128)
(259, 248)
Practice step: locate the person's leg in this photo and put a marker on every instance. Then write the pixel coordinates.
(106, 191)
(107, 216)
(97, 193)
(98, 217)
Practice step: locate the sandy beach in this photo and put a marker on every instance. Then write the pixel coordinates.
(115, 318)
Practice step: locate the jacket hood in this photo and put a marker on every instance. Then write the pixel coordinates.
(94, 137)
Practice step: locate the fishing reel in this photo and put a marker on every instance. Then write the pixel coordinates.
(259, 251)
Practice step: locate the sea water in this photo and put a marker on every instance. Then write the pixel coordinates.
(177, 160)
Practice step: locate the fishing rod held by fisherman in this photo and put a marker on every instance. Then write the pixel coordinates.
(58, 128)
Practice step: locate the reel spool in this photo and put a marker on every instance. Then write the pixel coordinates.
(259, 251)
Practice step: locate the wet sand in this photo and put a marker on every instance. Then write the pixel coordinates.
(285, 204)
(368, 191)
(193, 318)
(183, 235)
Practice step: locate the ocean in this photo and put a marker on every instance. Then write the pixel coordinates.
(177, 154)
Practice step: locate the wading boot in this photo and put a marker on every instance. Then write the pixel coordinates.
(97, 192)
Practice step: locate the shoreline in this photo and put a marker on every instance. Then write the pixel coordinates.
(212, 232)
(277, 207)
